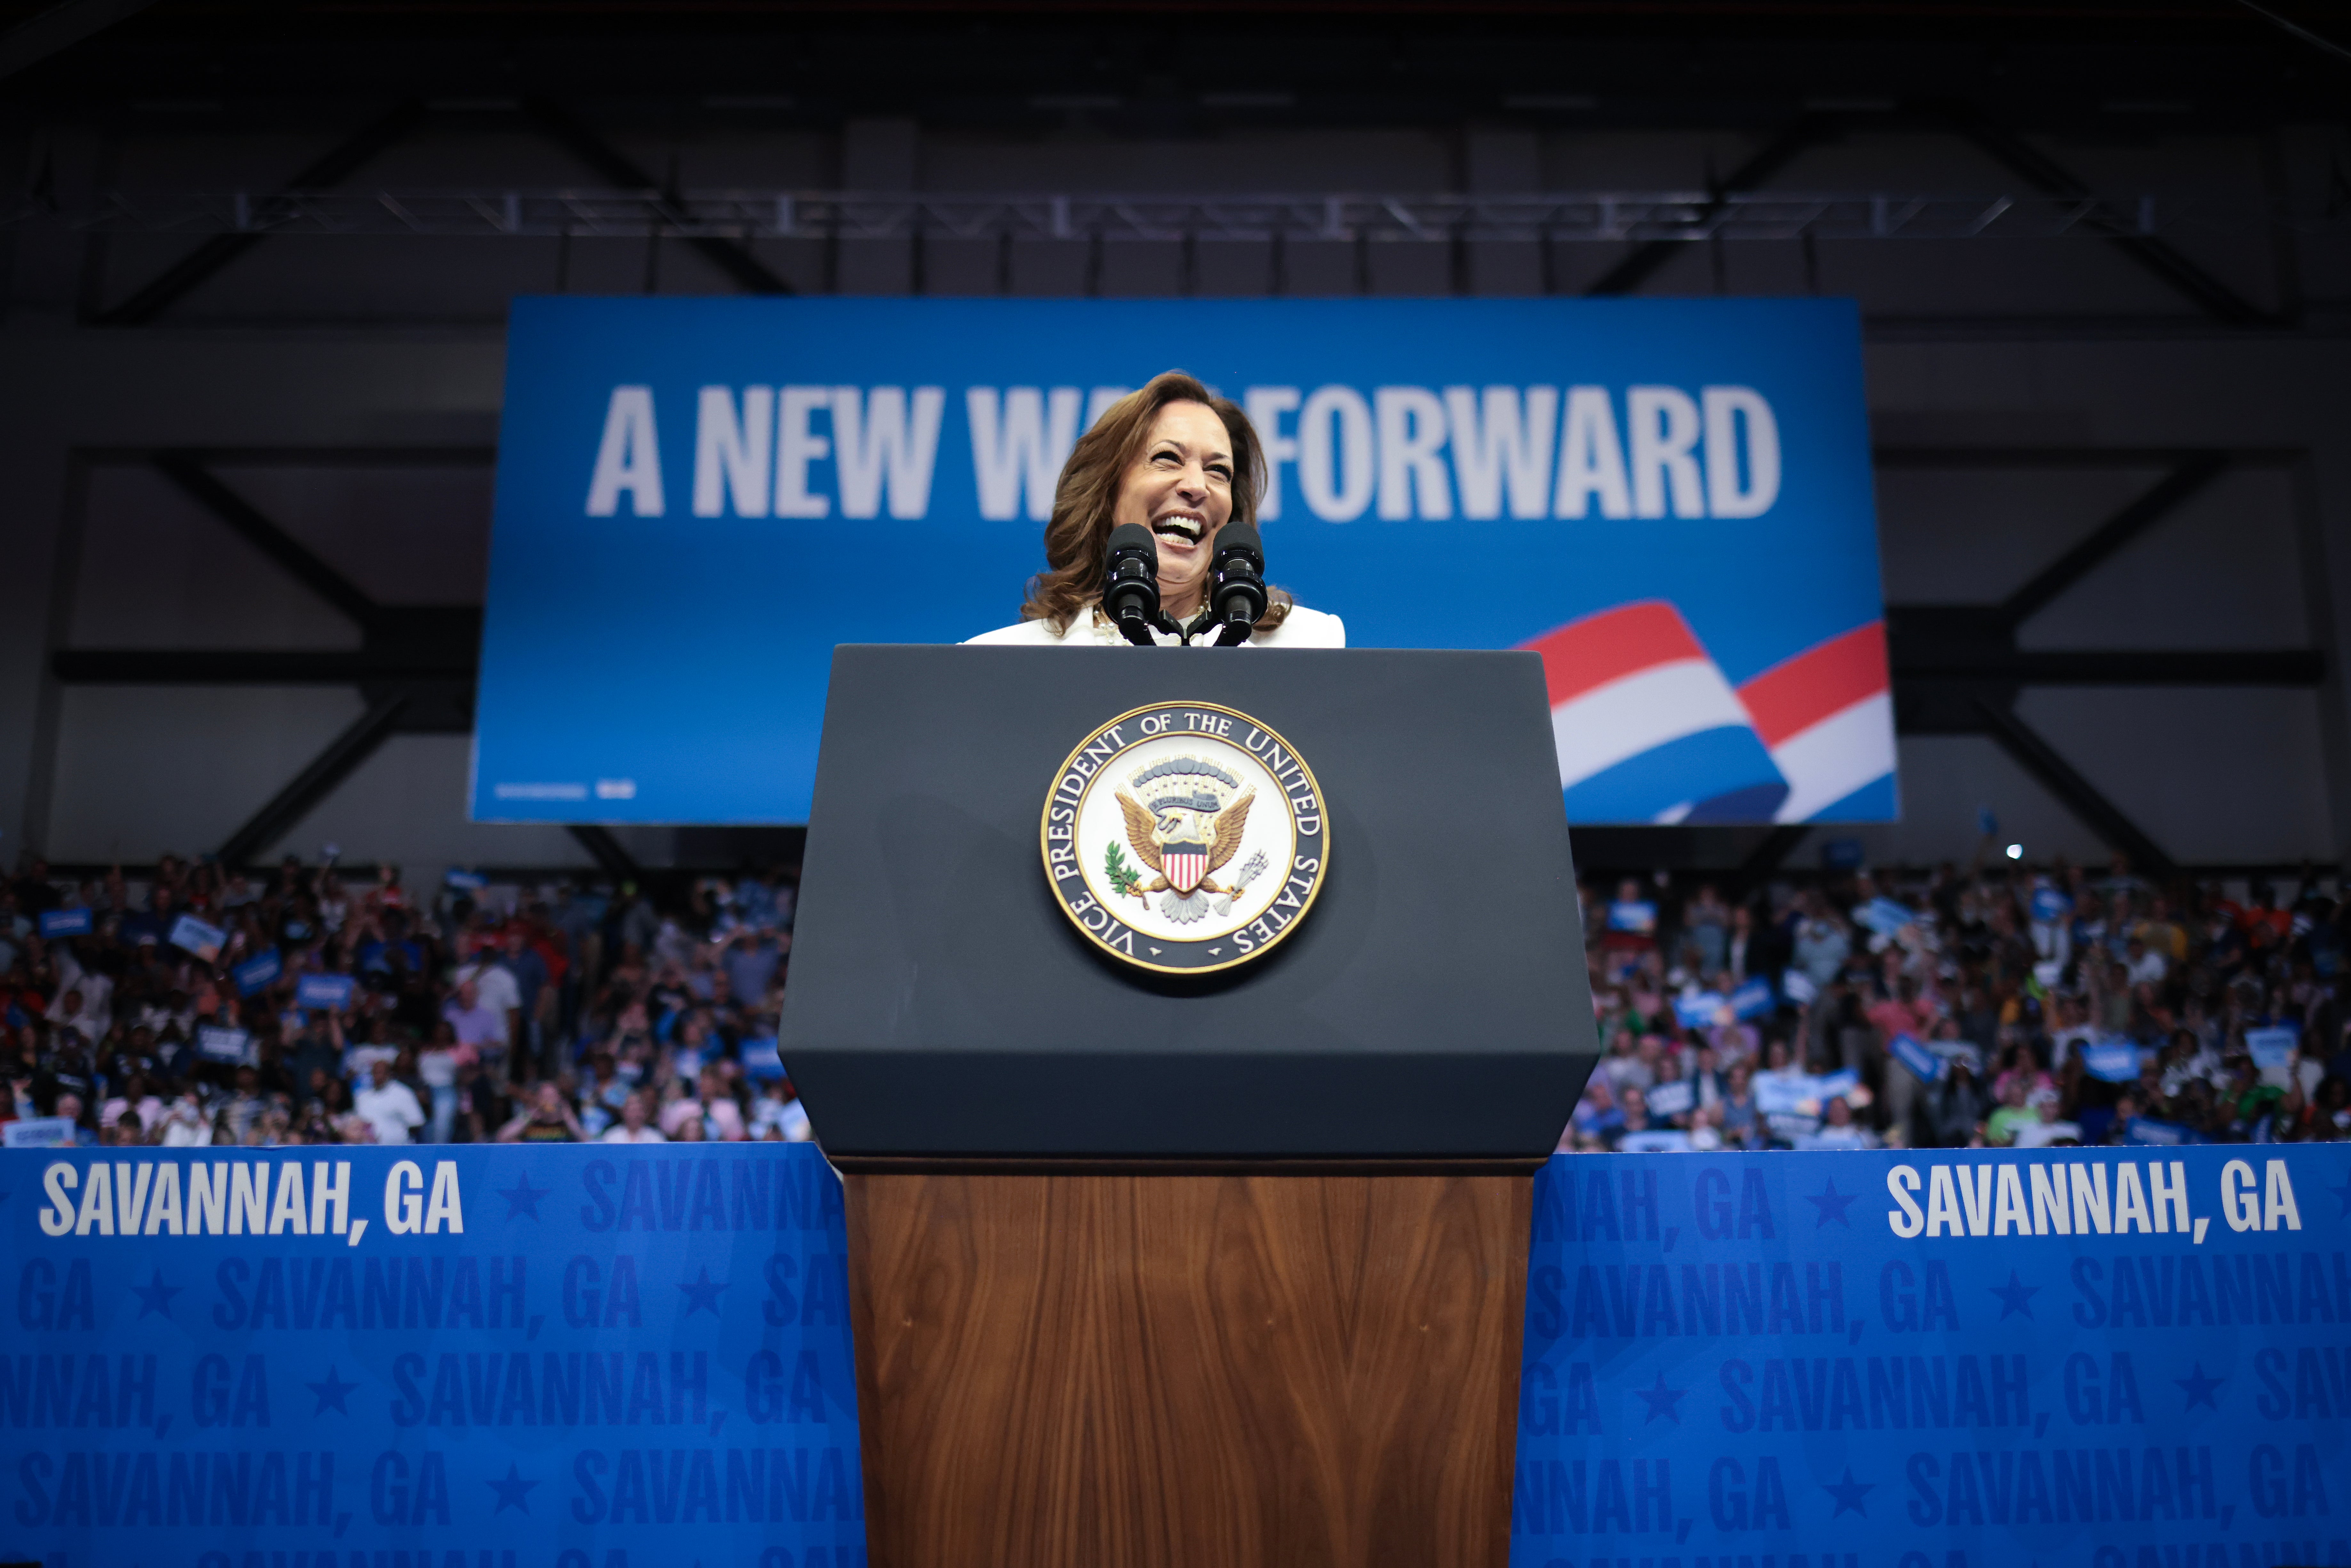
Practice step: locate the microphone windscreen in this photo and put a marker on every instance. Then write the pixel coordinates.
(1238, 538)
(1132, 539)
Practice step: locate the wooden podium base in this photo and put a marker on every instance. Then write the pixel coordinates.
(1122, 1366)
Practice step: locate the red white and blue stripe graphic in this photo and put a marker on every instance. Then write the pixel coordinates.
(1648, 728)
(1186, 864)
(1827, 715)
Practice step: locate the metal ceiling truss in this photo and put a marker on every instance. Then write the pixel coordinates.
(723, 225)
(734, 217)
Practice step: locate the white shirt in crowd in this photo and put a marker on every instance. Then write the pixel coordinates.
(1303, 628)
(392, 1111)
(618, 1132)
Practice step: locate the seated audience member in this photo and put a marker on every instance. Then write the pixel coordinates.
(635, 1126)
(548, 1119)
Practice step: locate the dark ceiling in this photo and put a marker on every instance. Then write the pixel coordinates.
(2086, 69)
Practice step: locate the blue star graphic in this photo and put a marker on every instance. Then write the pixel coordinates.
(513, 1492)
(2198, 1387)
(2343, 1195)
(332, 1391)
(701, 1294)
(1663, 1401)
(522, 1199)
(155, 1296)
(2015, 1297)
(1850, 1494)
(1831, 1204)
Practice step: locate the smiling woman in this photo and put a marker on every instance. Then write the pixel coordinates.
(1184, 463)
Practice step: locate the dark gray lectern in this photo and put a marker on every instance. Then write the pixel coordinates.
(1221, 1269)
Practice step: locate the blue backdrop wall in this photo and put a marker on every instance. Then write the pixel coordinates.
(508, 1358)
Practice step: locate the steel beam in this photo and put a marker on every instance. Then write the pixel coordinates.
(59, 29)
(1806, 131)
(616, 862)
(729, 256)
(2192, 475)
(248, 523)
(2156, 256)
(1766, 858)
(2077, 794)
(200, 265)
(315, 782)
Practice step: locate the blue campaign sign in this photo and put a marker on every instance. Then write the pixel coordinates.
(1754, 998)
(1941, 1359)
(258, 974)
(1924, 1064)
(566, 1358)
(327, 993)
(1669, 499)
(55, 922)
(2111, 1060)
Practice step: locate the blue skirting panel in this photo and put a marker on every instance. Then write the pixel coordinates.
(583, 1358)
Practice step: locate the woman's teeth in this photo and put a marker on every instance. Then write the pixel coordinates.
(1183, 527)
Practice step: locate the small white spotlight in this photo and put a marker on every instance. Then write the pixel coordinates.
(2016, 852)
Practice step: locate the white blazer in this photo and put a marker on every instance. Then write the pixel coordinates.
(1303, 628)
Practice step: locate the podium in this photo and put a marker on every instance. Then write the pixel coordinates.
(1217, 1270)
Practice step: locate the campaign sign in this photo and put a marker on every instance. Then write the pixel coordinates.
(546, 1358)
(1923, 1064)
(2111, 1060)
(55, 922)
(36, 1133)
(217, 1043)
(1698, 1010)
(1669, 500)
(190, 934)
(1633, 916)
(1671, 1098)
(1941, 1358)
(2147, 1131)
(1753, 999)
(327, 993)
(761, 1060)
(258, 974)
(2273, 1047)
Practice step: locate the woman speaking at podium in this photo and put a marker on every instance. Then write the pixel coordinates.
(1153, 540)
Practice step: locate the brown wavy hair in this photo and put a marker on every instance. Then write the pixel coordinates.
(1085, 497)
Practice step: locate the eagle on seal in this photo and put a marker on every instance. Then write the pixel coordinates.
(1185, 825)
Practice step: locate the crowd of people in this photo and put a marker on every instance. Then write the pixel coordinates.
(2004, 1006)
(199, 1006)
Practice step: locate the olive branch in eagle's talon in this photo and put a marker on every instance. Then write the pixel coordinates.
(1123, 879)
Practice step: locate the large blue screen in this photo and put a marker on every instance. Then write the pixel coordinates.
(1669, 499)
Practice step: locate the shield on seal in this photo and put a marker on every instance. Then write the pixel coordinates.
(1186, 864)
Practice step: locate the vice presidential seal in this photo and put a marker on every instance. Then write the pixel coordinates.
(1184, 838)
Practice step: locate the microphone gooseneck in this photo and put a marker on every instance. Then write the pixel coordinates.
(1236, 596)
(1131, 583)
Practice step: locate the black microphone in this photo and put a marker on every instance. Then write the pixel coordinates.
(1236, 583)
(1131, 583)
